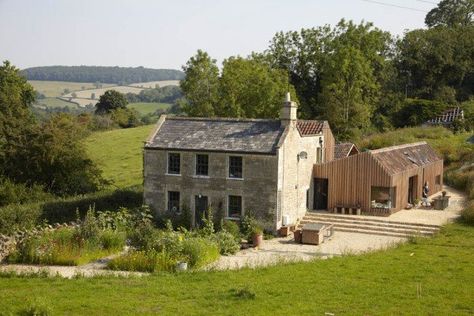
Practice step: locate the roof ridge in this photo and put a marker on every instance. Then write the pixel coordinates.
(222, 119)
(385, 149)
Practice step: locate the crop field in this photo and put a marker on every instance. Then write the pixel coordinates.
(55, 103)
(119, 154)
(152, 84)
(148, 108)
(56, 88)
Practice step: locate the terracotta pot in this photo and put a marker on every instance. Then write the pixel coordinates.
(257, 240)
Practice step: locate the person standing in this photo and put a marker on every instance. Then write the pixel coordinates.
(425, 193)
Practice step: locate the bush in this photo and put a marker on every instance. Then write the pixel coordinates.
(111, 240)
(227, 243)
(14, 217)
(143, 261)
(232, 228)
(36, 308)
(200, 251)
(17, 193)
(467, 214)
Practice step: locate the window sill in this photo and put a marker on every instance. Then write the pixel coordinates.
(229, 178)
(173, 174)
(232, 218)
(197, 176)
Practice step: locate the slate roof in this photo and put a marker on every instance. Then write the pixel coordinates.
(342, 150)
(400, 158)
(217, 134)
(311, 127)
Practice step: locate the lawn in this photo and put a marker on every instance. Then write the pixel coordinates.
(430, 276)
(119, 154)
(146, 108)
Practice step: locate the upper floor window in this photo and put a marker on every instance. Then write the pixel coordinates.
(202, 165)
(235, 167)
(174, 163)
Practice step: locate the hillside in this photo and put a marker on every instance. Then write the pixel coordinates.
(117, 75)
(119, 154)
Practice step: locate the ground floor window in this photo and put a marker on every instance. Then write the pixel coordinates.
(234, 209)
(383, 197)
(438, 179)
(173, 201)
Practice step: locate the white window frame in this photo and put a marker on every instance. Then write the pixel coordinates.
(242, 212)
(195, 165)
(228, 168)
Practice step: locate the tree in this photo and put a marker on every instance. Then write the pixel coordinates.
(451, 13)
(251, 88)
(110, 101)
(200, 85)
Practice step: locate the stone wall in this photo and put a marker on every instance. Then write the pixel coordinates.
(257, 188)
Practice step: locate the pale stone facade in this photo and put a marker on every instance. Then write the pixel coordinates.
(277, 164)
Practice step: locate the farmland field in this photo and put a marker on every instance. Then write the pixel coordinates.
(152, 84)
(119, 154)
(55, 103)
(147, 108)
(56, 88)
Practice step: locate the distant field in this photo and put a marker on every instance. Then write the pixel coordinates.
(152, 84)
(101, 91)
(55, 103)
(147, 108)
(119, 154)
(56, 88)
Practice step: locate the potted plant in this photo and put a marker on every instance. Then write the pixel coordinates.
(257, 236)
(443, 193)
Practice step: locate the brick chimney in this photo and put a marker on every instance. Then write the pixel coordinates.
(288, 111)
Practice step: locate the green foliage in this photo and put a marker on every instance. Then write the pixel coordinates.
(451, 13)
(100, 74)
(467, 214)
(125, 117)
(143, 261)
(200, 251)
(166, 94)
(227, 243)
(417, 111)
(231, 227)
(36, 307)
(109, 101)
(18, 193)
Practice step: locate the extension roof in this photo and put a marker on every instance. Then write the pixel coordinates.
(311, 127)
(397, 159)
(216, 134)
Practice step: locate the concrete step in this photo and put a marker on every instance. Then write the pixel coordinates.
(384, 224)
(372, 219)
(378, 230)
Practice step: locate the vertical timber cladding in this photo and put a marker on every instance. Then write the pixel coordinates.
(330, 143)
(350, 180)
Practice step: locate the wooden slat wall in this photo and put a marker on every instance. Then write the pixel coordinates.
(330, 143)
(350, 180)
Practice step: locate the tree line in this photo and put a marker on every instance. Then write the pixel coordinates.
(357, 76)
(101, 74)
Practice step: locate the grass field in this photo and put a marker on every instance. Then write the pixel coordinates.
(147, 108)
(428, 277)
(119, 154)
(55, 103)
(56, 88)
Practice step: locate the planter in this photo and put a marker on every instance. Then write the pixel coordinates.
(298, 236)
(257, 240)
(284, 231)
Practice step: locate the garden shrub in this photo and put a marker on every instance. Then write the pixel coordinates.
(227, 243)
(200, 251)
(231, 227)
(14, 217)
(19, 193)
(111, 240)
(467, 214)
(143, 261)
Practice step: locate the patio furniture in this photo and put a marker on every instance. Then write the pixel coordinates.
(316, 233)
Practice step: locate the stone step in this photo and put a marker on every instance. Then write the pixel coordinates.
(384, 224)
(364, 218)
(403, 231)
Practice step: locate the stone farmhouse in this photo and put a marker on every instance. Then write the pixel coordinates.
(277, 169)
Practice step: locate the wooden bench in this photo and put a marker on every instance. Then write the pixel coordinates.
(350, 210)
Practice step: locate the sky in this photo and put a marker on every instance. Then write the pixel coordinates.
(165, 34)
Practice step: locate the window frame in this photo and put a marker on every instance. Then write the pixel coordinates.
(392, 193)
(438, 179)
(229, 166)
(168, 164)
(228, 215)
(197, 166)
(169, 200)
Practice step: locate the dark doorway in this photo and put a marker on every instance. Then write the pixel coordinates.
(320, 194)
(200, 208)
(412, 185)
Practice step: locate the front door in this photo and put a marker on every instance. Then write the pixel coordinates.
(200, 208)
(320, 194)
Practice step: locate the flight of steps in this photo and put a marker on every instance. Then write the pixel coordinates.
(370, 225)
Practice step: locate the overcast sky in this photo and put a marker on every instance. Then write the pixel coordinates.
(164, 34)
